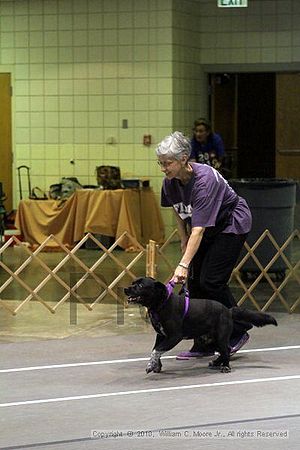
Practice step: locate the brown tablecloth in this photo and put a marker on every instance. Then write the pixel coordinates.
(107, 213)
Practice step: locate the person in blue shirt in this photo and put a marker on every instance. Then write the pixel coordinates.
(207, 146)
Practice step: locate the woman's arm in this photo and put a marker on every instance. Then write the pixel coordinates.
(183, 231)
(193, 243)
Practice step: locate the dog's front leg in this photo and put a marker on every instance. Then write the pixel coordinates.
(162, 345)
(154, 364)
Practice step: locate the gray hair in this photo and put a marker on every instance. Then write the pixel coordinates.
(174, 146)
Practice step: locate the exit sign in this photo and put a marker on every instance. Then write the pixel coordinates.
(232, 3)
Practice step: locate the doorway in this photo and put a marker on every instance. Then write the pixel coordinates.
(243, 111)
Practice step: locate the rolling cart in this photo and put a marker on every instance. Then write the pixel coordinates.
(35, 193)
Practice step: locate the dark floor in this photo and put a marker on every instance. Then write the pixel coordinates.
(54, 392)
(61, 378)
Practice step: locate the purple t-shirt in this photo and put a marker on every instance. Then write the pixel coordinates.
(202, 200)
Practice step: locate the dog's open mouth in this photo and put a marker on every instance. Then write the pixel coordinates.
(133, 299)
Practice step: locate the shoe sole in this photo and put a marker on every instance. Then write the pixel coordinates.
(185, 358)
(232, 352)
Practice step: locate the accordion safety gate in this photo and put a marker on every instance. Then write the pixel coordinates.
(72, 273)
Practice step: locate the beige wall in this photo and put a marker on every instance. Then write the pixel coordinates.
(81, 67)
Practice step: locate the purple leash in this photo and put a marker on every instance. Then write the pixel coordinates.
(170, 286)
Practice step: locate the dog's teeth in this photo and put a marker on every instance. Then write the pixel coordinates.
(133, 299)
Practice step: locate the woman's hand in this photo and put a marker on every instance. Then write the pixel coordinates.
(180, 275)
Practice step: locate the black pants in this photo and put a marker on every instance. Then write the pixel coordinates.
(211, 269)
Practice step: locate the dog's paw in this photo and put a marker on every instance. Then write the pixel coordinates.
(154, 366)
(225, 369)
(213, 366)
(218, 365)
(215, 363)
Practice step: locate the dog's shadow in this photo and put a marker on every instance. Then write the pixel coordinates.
(170, 372)
(196, 368)
(248, 364)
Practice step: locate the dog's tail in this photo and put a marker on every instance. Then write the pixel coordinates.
(258, 319)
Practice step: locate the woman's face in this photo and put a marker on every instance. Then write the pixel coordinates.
(201, 134)
(172, 168)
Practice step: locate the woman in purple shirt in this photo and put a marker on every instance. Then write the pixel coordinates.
(213, 223)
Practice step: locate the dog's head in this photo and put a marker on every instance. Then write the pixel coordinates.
(146, 292)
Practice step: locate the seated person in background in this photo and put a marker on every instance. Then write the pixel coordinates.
(207, 146)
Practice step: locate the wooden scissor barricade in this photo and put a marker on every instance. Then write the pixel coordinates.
(263, 272)
(292, 274)
(73, 279)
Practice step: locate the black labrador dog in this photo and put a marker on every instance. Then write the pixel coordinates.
(175, 317)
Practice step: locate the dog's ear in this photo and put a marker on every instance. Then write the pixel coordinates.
(160, 289)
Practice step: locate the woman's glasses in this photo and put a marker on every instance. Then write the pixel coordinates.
(165, 164)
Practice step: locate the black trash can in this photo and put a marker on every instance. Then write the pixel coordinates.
(272, 203)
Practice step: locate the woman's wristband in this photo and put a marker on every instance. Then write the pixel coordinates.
(185, 266)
